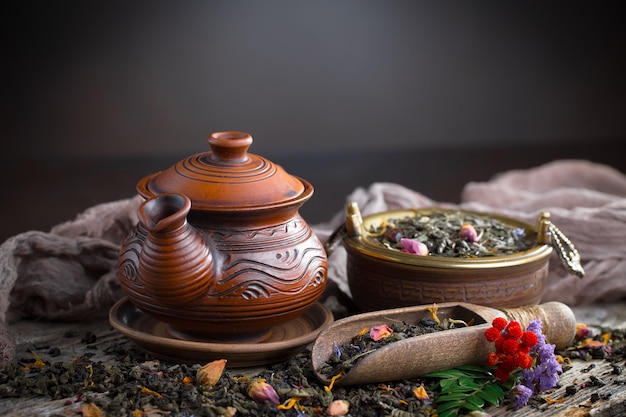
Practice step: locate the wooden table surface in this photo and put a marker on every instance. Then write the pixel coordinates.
(612, 395)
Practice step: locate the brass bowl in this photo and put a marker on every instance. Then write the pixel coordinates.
(383, 278)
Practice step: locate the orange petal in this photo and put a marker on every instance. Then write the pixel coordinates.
(420, 393)
(592, 343)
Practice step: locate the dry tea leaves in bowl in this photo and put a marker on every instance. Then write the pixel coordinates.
(452, 234)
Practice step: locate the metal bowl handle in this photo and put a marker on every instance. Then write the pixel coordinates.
(548, 233)
(351, 227)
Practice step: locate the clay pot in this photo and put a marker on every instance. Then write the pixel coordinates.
(221, 251)
(382, 278)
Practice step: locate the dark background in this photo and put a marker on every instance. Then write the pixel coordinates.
(95, 95)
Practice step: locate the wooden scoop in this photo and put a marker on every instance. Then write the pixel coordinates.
(419, 355)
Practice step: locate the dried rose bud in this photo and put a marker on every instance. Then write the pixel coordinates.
(338, 408)
(210, 373)
(261, 391)
(468, 233)
(380, 332)
(413, 246)
(582, 331)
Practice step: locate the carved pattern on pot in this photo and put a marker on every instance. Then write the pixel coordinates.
(250, 278)
(262, 239)
(128, 260)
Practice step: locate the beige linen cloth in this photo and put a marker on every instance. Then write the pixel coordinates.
(69, 273)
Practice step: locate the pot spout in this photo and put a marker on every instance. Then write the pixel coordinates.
(175, 263)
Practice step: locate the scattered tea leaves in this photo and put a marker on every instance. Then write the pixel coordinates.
(132, 383)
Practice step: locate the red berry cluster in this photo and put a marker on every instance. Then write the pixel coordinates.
(512, 347)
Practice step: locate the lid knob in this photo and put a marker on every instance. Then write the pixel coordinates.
(230, 147)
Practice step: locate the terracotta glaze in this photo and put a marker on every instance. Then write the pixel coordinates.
(221, 251)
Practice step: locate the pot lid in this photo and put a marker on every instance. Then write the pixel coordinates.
(228, 177)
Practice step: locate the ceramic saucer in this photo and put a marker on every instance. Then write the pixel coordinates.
(154, 337)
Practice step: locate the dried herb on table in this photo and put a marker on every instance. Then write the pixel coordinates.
(133, 383)
(453, 234)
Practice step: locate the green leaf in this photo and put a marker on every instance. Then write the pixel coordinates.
(459, 371)
(465, 387)
(453, 412)
(471, 407)
(455, 396)
(468, 382)
(448, 373)
(461, 389)
(508, 385)
(448, 406)
(473, 368)
(447, 384)
(496, 389)
(475, 401)
(491, 393)
(488, 397)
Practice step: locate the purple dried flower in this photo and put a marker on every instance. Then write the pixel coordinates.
(522, 395)
(536, 327)
(337, 350)
(545, 374)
